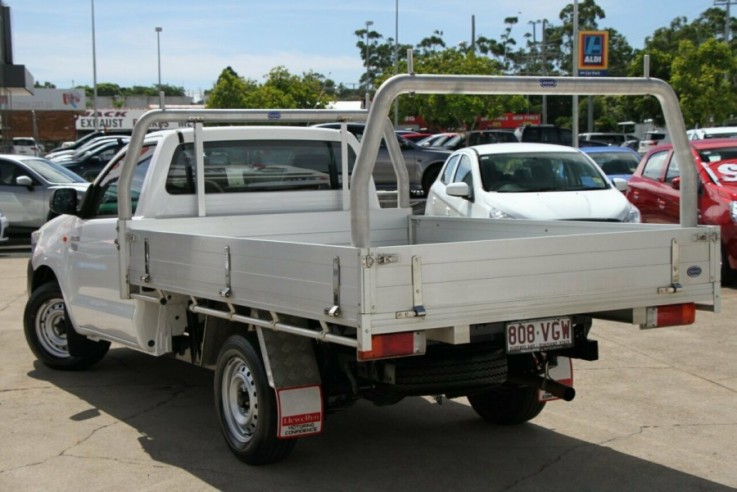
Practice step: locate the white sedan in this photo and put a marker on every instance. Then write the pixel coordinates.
(527, 181)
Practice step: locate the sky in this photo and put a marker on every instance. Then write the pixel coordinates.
(54, 40)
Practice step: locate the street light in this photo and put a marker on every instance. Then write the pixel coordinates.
(368, 76)
(94, 66)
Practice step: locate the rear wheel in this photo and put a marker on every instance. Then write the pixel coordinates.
(48, 331)
(246, 405)
(507, 404)
(729, 276)
(429, 178)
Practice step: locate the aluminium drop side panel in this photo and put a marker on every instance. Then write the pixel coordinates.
(478, 281)
(285, 277)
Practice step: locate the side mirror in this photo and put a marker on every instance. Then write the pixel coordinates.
(64, 201)
(620, 184)
(676, 183)
(459, 189)
(24, 181)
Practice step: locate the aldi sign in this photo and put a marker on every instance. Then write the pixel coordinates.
(593, 53)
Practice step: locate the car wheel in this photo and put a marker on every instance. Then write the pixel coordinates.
(729, 275)
(48, 329)
(246, 405)
(431, 174)
(507, 404)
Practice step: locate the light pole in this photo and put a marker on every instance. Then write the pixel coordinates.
(396, 58)
(94, 66)
(158, 54)
(368, 75)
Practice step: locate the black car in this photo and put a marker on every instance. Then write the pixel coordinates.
(90, 163)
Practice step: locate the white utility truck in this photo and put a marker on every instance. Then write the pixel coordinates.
(262, 252)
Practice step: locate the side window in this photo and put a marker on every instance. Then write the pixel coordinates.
(10, 171)
(464, 174)
(449, 170)
(7, 173)
(108, 204)
(673, 170)
(105, 193)
(655, 165)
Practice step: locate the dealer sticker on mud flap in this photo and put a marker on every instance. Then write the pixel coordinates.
(300, 411)
(539, 334)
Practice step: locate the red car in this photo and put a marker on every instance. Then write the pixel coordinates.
(654, 189)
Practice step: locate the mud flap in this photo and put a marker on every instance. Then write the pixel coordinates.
(293, 373)
(563, 373)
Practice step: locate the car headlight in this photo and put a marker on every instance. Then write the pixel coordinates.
(633, 215)
(733, 211)
(495, 213)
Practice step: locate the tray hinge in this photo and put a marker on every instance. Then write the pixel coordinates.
(226, 291)
(418, 309)
(675, 270)
(146, 277)
(334, 311)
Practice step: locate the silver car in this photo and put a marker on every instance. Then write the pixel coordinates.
(26, 183)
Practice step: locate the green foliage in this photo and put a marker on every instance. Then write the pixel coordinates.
(462, 112)
(108, 89)
(230, 90)
(280, 90)
(701, 76)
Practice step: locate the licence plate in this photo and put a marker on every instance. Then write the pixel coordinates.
(538, 334)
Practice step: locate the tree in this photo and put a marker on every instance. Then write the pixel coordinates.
(229, 91)
(456, 111)
(701, 76)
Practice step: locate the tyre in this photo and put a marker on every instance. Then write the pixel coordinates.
(246, 405)
(429, 177)
(729, 276)
(48, 332)
(507, 404)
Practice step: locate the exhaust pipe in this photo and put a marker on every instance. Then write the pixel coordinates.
(551, 386)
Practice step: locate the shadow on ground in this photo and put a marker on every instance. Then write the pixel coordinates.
(413, 445)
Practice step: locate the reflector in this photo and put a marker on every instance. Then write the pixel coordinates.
(390, 345)
(676, 314)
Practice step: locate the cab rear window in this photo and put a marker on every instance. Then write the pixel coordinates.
(240, 166)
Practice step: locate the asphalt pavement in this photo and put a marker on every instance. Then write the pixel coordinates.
(658, 411)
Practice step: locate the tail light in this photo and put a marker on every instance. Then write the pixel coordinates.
(394, 345)
(671, 315)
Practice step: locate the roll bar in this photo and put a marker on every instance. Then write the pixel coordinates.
(199, 116)
(500, 85)
(425, 84)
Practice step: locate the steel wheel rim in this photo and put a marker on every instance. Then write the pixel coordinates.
(51, 328)
(239, 400)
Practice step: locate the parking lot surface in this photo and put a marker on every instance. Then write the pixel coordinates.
(658, 411)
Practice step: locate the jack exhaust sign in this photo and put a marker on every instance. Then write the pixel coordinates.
(593, 55)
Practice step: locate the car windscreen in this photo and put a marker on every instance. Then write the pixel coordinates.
(528, 172)
(718, 154)
(52, 172)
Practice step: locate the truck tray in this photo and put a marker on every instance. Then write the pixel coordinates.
(425, 273)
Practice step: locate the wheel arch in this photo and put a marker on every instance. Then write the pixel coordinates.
(41, 275)
(430, 174)
(217, 331)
